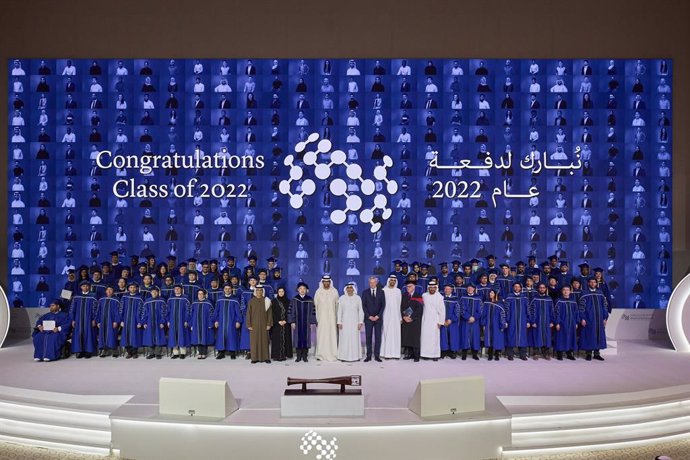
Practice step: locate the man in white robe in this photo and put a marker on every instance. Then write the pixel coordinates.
(390, 336)
(350, 323)
(326, 304)
(433, 318)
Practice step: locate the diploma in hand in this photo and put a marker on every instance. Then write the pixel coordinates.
(48, 325)
(407, 312)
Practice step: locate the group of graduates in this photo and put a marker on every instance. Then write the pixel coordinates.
(175, 309)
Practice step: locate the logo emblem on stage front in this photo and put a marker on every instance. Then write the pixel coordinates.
(322, 449)
(374, 215)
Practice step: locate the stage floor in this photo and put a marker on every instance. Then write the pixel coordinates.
(389, 385)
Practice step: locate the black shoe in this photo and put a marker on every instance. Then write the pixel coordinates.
(497, 357)
(491, 357)
(453, 355)
(523, 357)
(182, 356)
(475, 357)
(434, 359)
(150, 356)
(299, 358)
(232, 356)
(247, 356)
(588, 357)
(463, 355)
(254, 362)
(220, 355)
(88, 356)
(367, 359)
(116, 355)
(378, 360)
(159, 356)
(407, 357)
(268, 361)
(559, 355)
(80, 355)
(416, 360)
(510, 358)
(570, 356)
(304, 358)
(598, 357)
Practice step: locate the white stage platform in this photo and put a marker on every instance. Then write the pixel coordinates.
(640, 394)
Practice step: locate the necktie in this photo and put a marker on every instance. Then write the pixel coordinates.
(373, 292)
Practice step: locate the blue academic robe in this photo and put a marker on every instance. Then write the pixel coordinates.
(483, 291)
(494, 322)
(130, 335)
(459, 292)
(154, 315)
(567, 317)
(470, 306)
(450, 335)
(83, 313)
(49, 344)
(205, 279)
(214, 295)
(202, 324)
(594, 310)
(517, 306)
(269, 293)
(505, 285)
(98, 289)
(179, 313)
(302, 314)
(540, 312)
(167, 291)
(108, 313)
(227, 315)
(191, 290)
(145, 292)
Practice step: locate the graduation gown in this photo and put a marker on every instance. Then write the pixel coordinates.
(326, 305)
(201, 327)
(107, 314)
(567, 316)
(179, 313)
(49, 344)
(450, 335)
(259, 318)
(281, 336)
(594, 310)
(154, 315)
(471, 306)
(227, 315)
(350, 316)
(494, 322)
(83, 312)
(302, 314)
(130, 335)
(411, 333)
(540, 313)
(390, 333)
(517, 317)
(433, 317)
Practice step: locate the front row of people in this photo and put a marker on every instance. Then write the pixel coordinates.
(458, 320)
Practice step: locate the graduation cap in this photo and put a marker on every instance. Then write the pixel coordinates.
(84, 282)
(564, 263)
(263, 270)
(231, 257)
(415, 264)
(302, 283)
(443, 264)
(252, 257)
(253, 277)
(591, 278)
(492, 271)
(483, 275)
(96, 270)
(171, 258)
(545, 264)
(142, 264)
(467, 265)
(584, 265)
(520, 263)
(106, 264)
(405, 264)
(504, 265)
(213, 261)
(490, 256)
(204, 262)
(422, 265)
(169, 276)
(598, 270)
(181, 264)
(71, 271)
(474, 261)
(132, 283)
(553, 277)
(150, 256)
(530, 258)
(455, 262)
(271, 259)
(134, 257)
(397, 262)
(114, 253)
(191, 260)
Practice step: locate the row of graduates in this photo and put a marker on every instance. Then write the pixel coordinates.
(523, 321)
(225, 320)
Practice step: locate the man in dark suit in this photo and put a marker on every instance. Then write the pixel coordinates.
(373, 304)
(198, 236)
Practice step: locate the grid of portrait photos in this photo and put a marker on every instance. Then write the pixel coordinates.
(510, 157)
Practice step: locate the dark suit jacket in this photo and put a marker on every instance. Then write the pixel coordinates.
(373, 306)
